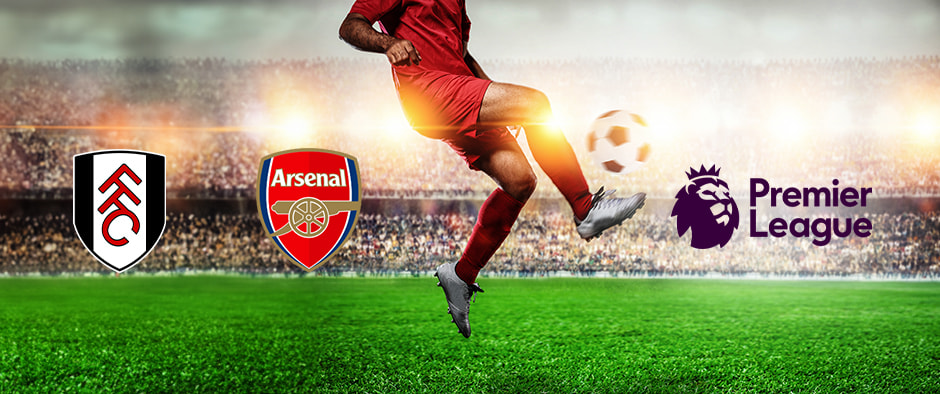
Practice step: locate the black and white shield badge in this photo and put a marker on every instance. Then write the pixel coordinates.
(119, 204)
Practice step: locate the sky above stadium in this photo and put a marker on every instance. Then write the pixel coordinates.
(543, 29)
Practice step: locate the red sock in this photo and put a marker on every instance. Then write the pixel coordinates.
(554, 154)
(497, 215)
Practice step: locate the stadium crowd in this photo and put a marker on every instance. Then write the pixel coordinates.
(900, 244)
(870, 123)
(867, 122)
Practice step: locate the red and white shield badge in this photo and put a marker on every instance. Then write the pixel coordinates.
(309, 200)
(119, 204)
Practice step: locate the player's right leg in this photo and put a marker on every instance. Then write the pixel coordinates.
(510, 169)
(507, 104)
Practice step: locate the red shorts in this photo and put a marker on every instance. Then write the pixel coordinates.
(447, 107)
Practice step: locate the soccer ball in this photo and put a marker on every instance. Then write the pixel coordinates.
(619, 142)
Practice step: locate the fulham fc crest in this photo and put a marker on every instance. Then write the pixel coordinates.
(309, 200)
(119, 204)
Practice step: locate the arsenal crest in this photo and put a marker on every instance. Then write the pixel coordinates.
(308, 200)
(119, 204)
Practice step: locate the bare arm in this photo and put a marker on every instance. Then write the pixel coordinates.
(358, 32)
(472, 63)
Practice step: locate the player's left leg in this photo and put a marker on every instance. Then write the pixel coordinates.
(507, 104)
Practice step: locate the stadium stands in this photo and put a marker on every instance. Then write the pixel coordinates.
(871, 123)
(903, 245)
(868, 122)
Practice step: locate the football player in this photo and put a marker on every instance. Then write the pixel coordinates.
(446, 95)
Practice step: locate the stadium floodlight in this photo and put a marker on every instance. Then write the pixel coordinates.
(295, 127)
(397, 126)
(838, 118)
(925, 126)
(663, 125)
(787, 123)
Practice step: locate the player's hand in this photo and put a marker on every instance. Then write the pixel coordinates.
(402, 53)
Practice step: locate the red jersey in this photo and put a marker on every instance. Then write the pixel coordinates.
(436, 28)
(440, 97)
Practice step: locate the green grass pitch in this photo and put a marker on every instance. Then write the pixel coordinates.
(242, 334)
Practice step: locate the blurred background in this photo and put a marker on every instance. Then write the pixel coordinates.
(798, 93)
(556, 29)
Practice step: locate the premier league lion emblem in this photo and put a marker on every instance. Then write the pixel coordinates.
(308, 200)
(705, 205)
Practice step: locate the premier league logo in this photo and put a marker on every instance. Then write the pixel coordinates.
(309, 200)
(119, 204)
(705, 205)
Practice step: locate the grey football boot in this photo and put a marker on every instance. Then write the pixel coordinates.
(458, 295)
(607, 211)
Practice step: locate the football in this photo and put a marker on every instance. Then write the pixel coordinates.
(619, 142)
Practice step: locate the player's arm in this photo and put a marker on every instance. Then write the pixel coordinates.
(358, 32)
(472, 63)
